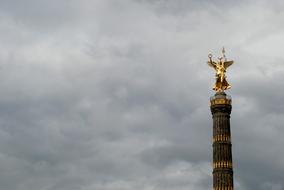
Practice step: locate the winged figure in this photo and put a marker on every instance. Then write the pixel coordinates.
(220, 67)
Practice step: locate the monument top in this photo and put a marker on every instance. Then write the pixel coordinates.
(220, 67)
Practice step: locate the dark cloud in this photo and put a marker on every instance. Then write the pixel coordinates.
(114, 95)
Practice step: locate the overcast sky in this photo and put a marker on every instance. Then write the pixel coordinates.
(114, 94)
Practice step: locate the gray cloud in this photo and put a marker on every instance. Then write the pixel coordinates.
(110, 95)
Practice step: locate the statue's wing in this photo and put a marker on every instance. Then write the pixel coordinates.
(212, 64)
(228, 64)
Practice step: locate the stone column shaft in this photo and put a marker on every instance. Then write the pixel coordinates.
(222, 148)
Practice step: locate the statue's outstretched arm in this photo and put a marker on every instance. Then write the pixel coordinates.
(212, 64)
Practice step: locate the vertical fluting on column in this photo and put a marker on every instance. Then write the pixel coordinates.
(222, 154)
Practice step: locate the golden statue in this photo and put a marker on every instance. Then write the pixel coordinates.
(220, 68)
